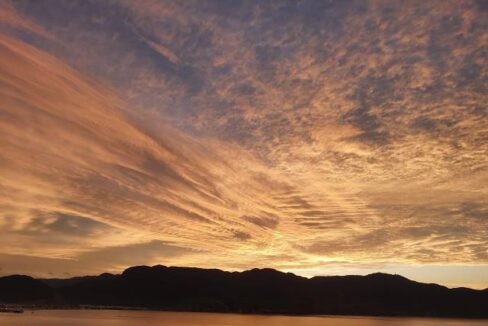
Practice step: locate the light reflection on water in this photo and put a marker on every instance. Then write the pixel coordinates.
(151, 318)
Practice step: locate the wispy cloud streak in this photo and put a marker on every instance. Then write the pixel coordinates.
(292, 135)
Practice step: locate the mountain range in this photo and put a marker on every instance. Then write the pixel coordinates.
(264, 291)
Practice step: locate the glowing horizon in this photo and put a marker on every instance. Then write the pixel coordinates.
(316, 137)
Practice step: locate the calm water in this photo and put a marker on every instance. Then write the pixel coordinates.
(139, 318)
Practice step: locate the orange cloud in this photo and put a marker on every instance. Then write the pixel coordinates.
(9, 17)
(246, 139)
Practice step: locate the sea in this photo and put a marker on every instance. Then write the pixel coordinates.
(153, 318)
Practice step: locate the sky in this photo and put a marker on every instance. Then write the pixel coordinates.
(314, 137)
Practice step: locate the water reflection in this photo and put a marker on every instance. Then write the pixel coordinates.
(149, 318)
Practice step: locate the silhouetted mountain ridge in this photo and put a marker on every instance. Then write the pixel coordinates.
(253, 291)
(24, 289)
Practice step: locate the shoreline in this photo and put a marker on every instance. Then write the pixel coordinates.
(143, 309)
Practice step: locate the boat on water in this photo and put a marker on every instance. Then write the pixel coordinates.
(12, 310)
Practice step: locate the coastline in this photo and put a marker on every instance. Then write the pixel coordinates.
(32, 309)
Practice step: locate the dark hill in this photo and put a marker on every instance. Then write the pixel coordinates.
(24, 289)
(258, 291)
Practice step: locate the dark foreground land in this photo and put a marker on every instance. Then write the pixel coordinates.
(253, 291)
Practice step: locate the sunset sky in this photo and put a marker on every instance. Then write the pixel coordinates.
(315, 137)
